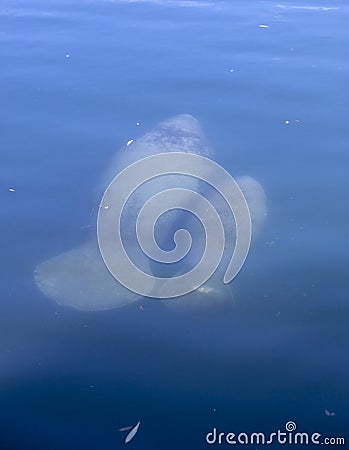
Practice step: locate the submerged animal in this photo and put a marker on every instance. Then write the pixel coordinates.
(79, 278)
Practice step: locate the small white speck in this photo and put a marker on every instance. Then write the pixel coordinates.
(11, 190)
(137, 123)
(92, 386)
(287, 122)
(129, 142)
(263, 26)
(231, 70)
(67, 55)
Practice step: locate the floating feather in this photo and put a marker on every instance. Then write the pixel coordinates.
(132, 433)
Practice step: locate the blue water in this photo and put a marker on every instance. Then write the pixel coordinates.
(274, 104)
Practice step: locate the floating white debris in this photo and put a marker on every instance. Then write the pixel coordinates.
(141, 308)
(287, 122)
(137, 123)
(129, 142)
(11, 190)
(67, 55)
(132, 433)
(309, 8)
(125, 428)
(231, 70)
(263, 26)
(329, 413)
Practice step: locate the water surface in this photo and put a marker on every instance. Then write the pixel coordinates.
(76, 77)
